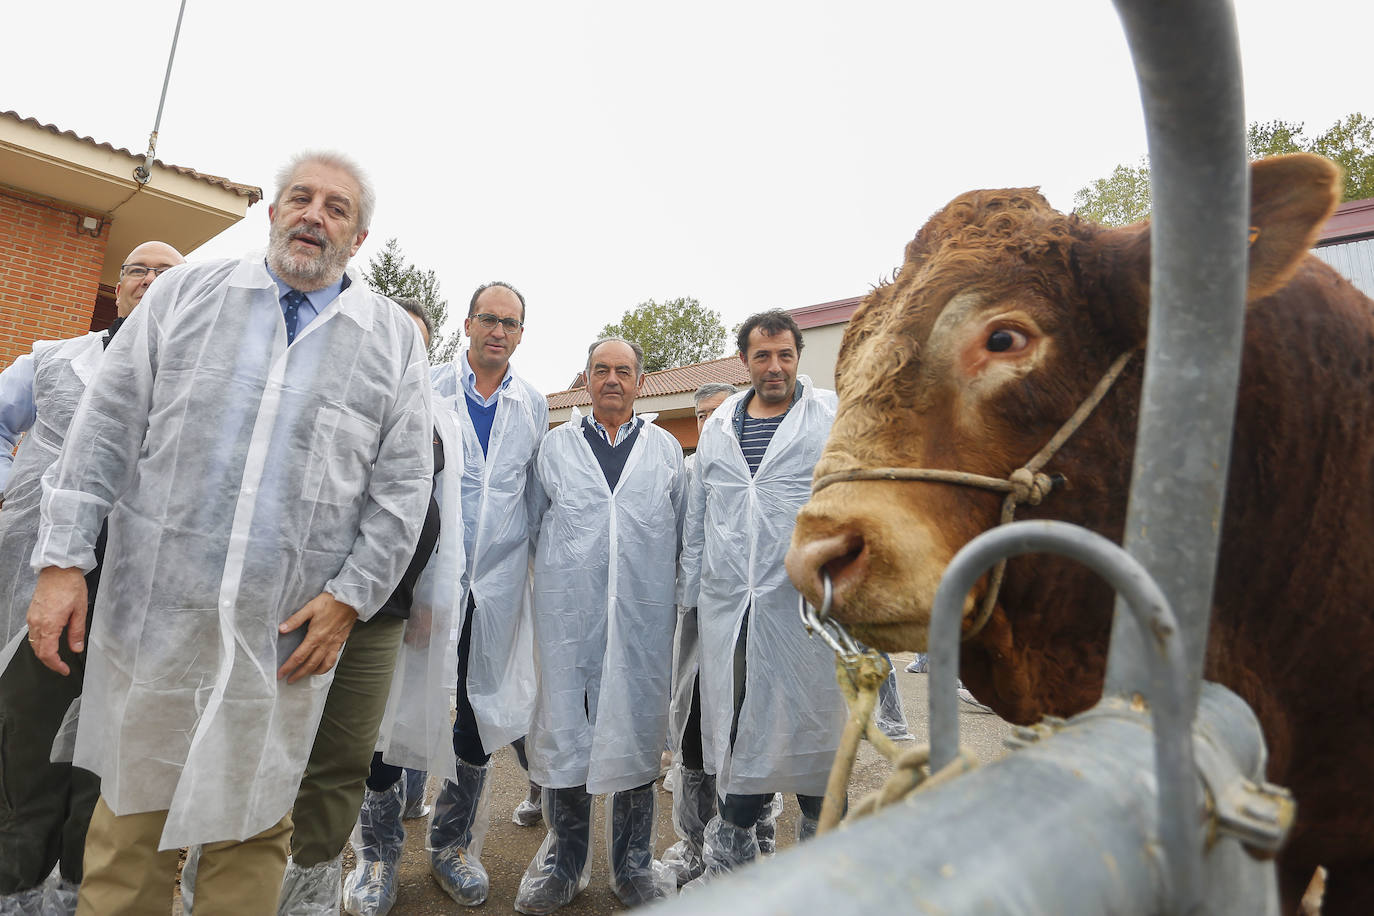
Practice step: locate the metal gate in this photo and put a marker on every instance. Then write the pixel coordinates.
(1154, 800)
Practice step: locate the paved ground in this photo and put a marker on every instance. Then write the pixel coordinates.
(509, 848)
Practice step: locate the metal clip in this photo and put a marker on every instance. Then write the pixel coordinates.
(1257, 815)
(820, 623)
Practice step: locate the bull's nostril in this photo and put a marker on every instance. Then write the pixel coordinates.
(839, 566)
(809, 557)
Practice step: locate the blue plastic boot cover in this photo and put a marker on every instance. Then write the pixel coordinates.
(378, 839)
(456, 833)
(560, 869)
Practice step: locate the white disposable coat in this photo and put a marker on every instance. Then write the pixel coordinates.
(61, 371)
(736, 534)
(417, 729)
(604, 613)
(245, 479)
(498, 527)
(685, 654)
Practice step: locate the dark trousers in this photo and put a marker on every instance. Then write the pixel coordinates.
(467, 741)
(331, 789)
(691, 731)
(745, 810)
(45, 807)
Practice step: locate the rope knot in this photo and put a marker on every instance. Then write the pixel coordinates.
(1030, 487)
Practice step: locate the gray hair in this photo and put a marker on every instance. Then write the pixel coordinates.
(710, 390)
(367, 195)
(417, 308)
(638, 351)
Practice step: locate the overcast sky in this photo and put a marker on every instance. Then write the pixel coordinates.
(751, 155)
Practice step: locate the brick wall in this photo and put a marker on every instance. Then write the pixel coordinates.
(49, 273)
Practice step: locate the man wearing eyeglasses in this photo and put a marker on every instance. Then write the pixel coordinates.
(45, 810)
(503, 418)
(143, 265)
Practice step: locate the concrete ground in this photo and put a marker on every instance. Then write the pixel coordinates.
(509, 848)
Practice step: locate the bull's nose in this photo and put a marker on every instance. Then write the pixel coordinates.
(841, 555)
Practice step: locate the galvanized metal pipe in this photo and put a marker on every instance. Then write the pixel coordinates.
(1066, 824)
(145, 171)
(1188, 67)
(1170, 702)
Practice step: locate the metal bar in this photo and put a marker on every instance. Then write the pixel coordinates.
(1170, 701)
(1188, 67)
(1063, 825)
(145, 171)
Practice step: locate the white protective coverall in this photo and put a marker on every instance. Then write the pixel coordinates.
(737, 531)
(242, 478)
(498, 525)
(604, 584)
(417, 728)
(61, 371)
(686, 651)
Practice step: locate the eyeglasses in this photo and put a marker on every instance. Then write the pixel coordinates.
(489, 322)
(138, 271)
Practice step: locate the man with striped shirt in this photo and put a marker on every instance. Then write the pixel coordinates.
(771, 711)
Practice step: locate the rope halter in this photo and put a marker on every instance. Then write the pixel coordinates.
(1027, 484)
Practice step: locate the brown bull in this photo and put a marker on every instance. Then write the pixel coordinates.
(1003, 318)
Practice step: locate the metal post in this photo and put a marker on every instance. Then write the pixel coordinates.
(1188, 66)
(145, 171)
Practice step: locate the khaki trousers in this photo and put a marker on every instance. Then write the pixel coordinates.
(127, 873)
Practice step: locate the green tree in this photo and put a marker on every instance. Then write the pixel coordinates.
(389, 274)
(1350, 142)
(678, 332)
(1124, 196)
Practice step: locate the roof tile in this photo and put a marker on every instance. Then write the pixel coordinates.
(254, 194)
(727, 369)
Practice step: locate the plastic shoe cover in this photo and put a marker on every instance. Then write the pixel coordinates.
(807, 827)
(22, 903)
(766, 830)
(918, 665)
(888, 712)
(561, 869)
(635, 877)
(694, 804)
(59, 896)
(414, 781)
(725, 848)
(530, 811)
(313, 891)
(456, 833)
(188, 880)
(969, 699)
(378, 839)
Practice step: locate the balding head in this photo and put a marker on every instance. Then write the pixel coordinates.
(148, 261)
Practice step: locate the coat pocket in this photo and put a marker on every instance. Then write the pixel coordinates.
(343, 448)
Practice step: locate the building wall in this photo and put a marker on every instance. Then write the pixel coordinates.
(820, 352)
(1354, 260)
(49, 273)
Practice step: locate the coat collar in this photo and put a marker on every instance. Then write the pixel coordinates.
(354, 302)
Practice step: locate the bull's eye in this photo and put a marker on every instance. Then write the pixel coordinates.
(1002, 340)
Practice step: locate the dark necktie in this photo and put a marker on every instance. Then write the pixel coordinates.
(290, 307)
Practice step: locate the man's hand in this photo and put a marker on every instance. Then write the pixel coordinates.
(418, 626)
(59, 603)
(330, 623)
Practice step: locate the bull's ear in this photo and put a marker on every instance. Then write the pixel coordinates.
(1290, 199)
(1112, 266)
